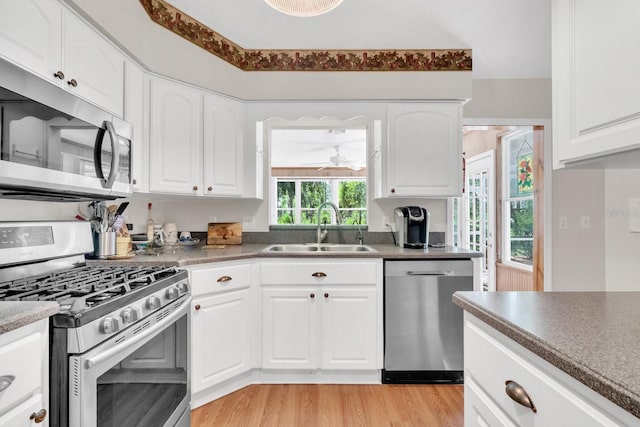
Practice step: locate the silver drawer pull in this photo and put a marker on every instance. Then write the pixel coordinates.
(6, 381)
(429, 273)
(224, 279)
(516, 392)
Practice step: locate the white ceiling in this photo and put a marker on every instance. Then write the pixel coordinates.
(511, 39)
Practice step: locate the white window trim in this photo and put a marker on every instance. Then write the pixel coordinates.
(506, 201)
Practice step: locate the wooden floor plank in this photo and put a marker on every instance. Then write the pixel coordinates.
(324, 405)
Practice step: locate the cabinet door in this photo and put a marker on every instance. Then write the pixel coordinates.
(134, 114)
(30, 35)
(596, 107)
(348, 328)
(95, 65)
(222, 146)
(20, 416)
(175, 138)
(424, 150)
(220, 338)
(289, 322)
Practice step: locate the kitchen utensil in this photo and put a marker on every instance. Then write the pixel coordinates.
(121, 208)
(104, 244)
(185, 236)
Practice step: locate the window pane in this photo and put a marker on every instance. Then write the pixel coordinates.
(353, 216)
(285, 217)
(352, 194)
(286, 196)
(314, 193)
(521, 231)
(520, 165)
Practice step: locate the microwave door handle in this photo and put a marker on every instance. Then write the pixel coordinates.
(115, 155)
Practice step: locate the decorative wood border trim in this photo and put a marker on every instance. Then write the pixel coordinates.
(194, 31)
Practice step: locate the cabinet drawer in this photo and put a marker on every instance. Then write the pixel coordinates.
(220, 279)
(318, 273)
(22, 360)
(489, 363)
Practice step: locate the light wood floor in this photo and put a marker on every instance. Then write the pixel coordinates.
(293, 405)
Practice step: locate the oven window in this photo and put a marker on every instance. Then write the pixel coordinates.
(146, 388)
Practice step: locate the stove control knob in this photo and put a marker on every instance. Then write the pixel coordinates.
(172, 293)
(183, 287)
(130, 315)
(109, 325)
(153, 303)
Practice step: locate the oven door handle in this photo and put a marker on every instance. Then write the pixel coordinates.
(126, 344)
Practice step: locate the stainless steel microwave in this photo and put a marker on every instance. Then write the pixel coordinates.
(55, 146)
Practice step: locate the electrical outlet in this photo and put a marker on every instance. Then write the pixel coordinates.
(585, 222)
(563, 223)
(213, 219)
(249, 222)
(385, 221)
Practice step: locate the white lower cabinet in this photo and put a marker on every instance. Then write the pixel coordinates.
(321, 315)
(221, 324)
(24, 375)
(220, 338)
(491, 360)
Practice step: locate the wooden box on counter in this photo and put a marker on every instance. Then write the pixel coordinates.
(224, 233)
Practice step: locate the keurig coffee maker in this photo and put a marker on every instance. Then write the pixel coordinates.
(412, 227)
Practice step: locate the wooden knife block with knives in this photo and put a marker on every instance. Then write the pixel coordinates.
(224, 233)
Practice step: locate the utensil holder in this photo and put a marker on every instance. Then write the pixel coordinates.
(104, 244)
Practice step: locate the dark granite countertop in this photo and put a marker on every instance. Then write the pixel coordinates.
(179, 256)
(592, 336)
(15, 314)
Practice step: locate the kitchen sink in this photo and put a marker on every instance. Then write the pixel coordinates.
(313, 247)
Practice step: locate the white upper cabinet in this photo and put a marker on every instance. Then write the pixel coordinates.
(93, 67)
(47, 39)
(196, 140)
(175, 138)
(223, 119)
(596, 92)
(423, 154)
(134, 113)
(34, 43)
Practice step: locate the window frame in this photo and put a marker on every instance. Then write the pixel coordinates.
(298, 209)
(506, 200)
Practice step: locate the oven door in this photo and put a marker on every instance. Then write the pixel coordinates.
(140, 377)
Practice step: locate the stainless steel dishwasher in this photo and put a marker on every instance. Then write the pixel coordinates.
(422, 327)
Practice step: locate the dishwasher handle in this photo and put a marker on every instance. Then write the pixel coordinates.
(429, 273)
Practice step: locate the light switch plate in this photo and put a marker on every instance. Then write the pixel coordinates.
(562, 222)
(585, 222)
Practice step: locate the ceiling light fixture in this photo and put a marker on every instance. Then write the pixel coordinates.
(303, 7)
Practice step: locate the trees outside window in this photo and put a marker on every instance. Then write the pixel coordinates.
(298, 200)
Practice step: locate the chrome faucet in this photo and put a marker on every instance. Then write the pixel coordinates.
(322, 234)
(359, 236)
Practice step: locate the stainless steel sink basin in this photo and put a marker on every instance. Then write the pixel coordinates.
(313, 247)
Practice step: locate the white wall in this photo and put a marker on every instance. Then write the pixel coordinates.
(578, 254)
(622, 247)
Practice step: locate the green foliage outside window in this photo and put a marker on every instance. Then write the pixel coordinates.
(351, 201)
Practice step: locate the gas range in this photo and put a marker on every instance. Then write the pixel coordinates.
(115, 323)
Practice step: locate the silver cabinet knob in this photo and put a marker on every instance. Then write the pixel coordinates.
(109, 325)
(39, 416)
(73, 82)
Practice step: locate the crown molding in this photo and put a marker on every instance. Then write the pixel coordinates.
(189, 28)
